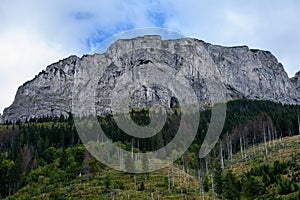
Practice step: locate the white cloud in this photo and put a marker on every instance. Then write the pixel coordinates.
(273, 26)
(22, 56)
(36, 33)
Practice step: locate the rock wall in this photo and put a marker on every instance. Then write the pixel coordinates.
(296, 81)
(209, 69)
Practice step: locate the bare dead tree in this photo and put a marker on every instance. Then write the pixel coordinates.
(298, 124)
(212, 183)
(241, 146)
(269, 136)
(169, 182)
(265, 139)
(206, 165)
(221, 155)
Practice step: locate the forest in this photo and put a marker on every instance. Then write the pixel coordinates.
(256, 157)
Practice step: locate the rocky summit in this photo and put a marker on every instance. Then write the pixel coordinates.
(215, 73)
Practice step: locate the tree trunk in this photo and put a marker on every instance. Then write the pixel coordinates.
(265, 139)
(298, 125)
(169, 182)
(212, 184)
(221, 155)
(269, 135)
(134, 177)
(245, 146)
(132, 148)
(241, 146)
(206, 165)
(172, 168)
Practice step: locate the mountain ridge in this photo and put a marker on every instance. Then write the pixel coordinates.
(240, 71)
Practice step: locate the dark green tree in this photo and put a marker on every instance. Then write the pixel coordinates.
(231, 188)
(218, 173)
(253, 186)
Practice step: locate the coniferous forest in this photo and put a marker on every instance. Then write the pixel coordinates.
(256, 157)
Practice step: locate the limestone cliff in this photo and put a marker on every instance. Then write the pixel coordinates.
(242, 72)
(296, 81)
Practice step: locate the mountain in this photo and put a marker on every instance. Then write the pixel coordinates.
(215, 73)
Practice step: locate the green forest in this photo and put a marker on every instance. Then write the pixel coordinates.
(256, 157)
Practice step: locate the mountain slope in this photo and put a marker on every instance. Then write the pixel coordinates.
(283, 162)
(45, 157)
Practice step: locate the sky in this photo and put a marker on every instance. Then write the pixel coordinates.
(34, 33)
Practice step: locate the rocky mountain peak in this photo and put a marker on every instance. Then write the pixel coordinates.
(239, 71)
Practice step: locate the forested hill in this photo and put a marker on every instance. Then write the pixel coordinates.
(41, 156)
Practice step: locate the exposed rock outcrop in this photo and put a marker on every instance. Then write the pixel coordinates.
(209, 69)
(296, 81)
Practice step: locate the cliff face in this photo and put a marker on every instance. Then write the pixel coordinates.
(296, 81)
(209, 69)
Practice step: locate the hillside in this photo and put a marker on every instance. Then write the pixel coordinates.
(174, 183)
(259, 146)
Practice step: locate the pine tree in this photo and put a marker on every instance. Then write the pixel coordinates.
(230, 186)
(252, 187)
(218, 172)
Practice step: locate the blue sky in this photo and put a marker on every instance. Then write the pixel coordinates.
(36, 33)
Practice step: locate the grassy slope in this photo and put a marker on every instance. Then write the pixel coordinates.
(281, 149)
(121, 186)
(109, 184)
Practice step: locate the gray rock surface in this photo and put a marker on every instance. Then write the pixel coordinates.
(215, 73)
(296, 81)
